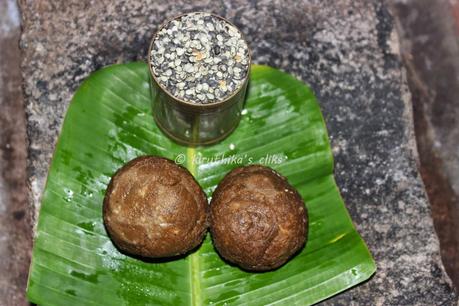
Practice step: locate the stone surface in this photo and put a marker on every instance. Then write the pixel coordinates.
(430, 51)
(347, 51)
(15, 224)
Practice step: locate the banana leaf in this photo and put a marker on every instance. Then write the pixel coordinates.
(109, 122)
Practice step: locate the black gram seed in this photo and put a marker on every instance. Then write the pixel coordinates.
(200, 58)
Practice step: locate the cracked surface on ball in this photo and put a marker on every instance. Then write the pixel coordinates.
(258, 220)
(155, 208)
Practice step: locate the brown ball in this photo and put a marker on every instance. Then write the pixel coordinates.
(257, 219)
(155, 208)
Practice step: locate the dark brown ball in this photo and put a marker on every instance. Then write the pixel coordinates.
(257, 219)
(155, 208)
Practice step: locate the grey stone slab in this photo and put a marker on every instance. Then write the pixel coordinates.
(429, 33)
(346, 50)
(15, 223)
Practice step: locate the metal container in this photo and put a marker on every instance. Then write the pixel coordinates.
(193, 123)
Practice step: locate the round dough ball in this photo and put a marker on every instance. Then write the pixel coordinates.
(155, 208)
(257, 219)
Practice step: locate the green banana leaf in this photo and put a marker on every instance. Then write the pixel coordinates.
(109, 122)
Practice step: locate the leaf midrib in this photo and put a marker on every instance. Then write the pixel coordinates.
(194, 260)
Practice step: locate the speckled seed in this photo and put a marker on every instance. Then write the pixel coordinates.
(200, 58)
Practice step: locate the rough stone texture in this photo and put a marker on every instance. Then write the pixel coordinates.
(346, 50)
(15, 224)
(430, 51)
